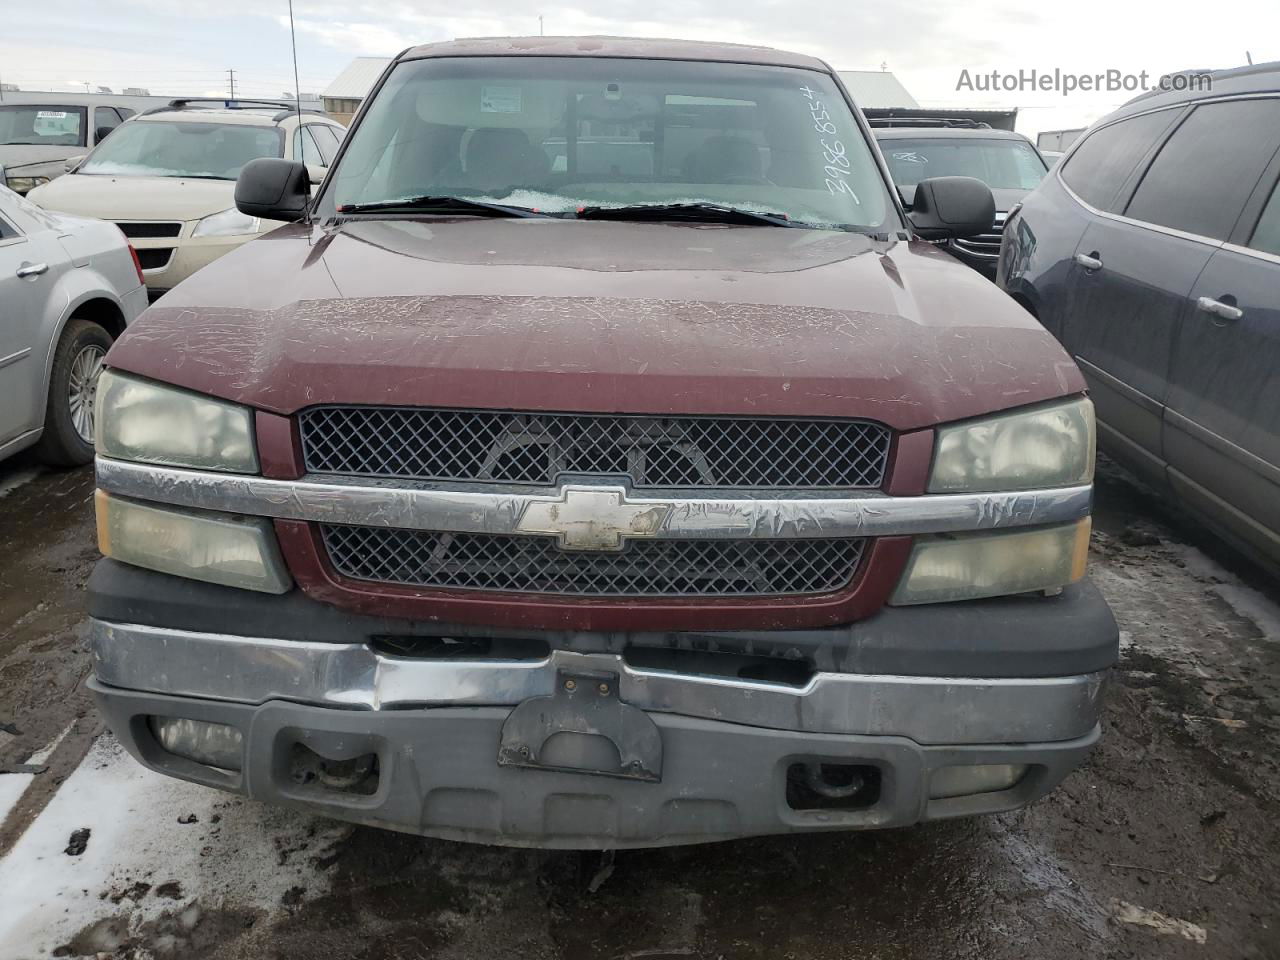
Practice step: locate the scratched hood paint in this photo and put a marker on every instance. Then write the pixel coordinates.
(600, 317)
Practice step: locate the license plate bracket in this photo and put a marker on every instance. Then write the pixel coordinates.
(584, 702)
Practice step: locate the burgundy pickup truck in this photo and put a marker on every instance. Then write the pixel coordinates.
(600, 458)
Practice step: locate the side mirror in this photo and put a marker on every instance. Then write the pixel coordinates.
(273, 189)
(946, 207)
(100, 133)
(71, 163)
(316, 173)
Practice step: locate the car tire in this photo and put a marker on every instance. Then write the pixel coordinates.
(73, 383)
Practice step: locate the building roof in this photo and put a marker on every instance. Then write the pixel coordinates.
(876, 88)
(634, 47)
(357, 79)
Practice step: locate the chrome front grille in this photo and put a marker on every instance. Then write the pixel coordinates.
(536, 448)
(646, 568)
(983, 245)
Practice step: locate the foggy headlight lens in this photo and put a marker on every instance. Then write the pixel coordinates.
(24, 184)
(228, 223)
(1033, 449)
(972, 566)
(213, 547)
(139, 420)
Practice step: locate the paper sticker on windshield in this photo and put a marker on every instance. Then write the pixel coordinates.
(500, 100)
(51, 114)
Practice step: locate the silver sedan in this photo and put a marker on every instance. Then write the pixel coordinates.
(68, 288)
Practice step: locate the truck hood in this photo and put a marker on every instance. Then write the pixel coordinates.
(136, 198)
(599, 317)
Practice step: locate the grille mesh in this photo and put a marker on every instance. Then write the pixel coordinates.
(529, 448)
(646, 568)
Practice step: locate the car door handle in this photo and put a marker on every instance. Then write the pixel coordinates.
(1090, 263)
(31, 270)
(1217, 308)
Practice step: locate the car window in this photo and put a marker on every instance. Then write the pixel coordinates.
(1000, 164)
(1266, 236)
(163, 148)
(326, 139)
(305, 149)
(1101, 164)
(7, 230)
(559, 133)
(42, 125)
(105, 117)
(1202, 176)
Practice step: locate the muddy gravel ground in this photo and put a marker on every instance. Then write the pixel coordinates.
(1164, 845)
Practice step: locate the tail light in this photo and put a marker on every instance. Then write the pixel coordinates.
(137, 264)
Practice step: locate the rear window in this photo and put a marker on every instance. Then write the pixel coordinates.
(46, 126)
(1266, 235)
(1205, 172)
(202, 150)
(558, 133)
(1000, 164)
(1100, 166)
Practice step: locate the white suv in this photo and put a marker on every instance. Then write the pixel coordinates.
(167, 178)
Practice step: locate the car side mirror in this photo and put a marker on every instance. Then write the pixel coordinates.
(946, 207)
(70, 164)
(100, 133)
(273, 189)
(316, 173)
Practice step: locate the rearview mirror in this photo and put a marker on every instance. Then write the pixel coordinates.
(946, 207)
(273, 189)
(100, 133)
(71, 163)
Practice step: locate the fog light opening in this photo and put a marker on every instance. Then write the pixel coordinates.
(211, 744)
(971, 779)
(353, 775)
(818, 785)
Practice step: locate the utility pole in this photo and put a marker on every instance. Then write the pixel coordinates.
(541, 32)
(231, 80)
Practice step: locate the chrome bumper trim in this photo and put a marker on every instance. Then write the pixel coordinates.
(503, 511)
(928, 710)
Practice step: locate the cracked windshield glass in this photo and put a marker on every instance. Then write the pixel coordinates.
(559, 134)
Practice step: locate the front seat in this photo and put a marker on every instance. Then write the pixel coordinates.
(501, 157)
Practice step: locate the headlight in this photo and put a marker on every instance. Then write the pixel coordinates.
(213, 547)
(23, 184)
(972, 566)
(228, 223)
(1025, 450)
(139, 420)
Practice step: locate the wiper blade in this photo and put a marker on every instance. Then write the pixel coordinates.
(706, 212)
(443, 204)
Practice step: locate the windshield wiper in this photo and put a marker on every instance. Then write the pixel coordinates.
(704, 212)
(443, 204)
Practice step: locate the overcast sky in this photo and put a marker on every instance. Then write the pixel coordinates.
(186, 46)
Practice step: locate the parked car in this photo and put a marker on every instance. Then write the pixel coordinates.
(167, 179)
(39, 133)
(1153, 253)
(68, 288)
(1005, 161)
(598, 508)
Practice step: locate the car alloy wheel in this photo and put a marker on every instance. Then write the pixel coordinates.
(82, 388)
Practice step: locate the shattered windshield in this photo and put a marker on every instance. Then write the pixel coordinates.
(557, 134)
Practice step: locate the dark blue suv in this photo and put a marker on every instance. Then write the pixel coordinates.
(1152, 251)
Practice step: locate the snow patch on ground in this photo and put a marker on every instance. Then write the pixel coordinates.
(249, 859)
(17, 479)
(1247, 602)
(12, 786)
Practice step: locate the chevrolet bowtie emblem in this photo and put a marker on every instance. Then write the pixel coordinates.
(594, 518)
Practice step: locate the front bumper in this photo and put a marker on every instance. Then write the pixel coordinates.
(901, 694)
(189, 255)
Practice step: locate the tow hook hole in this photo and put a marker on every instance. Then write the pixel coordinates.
(815, 785)
(356, 775)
